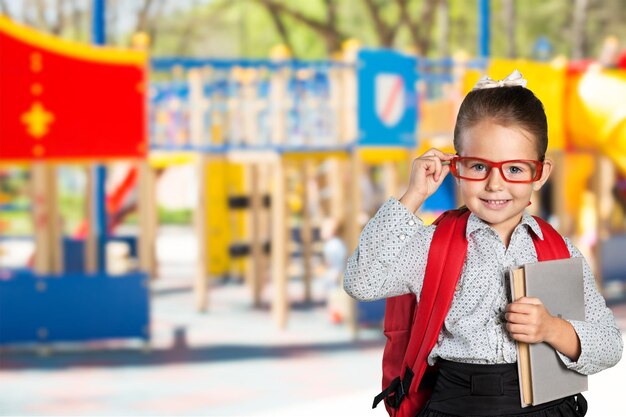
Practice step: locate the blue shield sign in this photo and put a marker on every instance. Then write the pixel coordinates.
(390, 98)
(387, 104)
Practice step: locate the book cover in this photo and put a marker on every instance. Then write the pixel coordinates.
(560, 287)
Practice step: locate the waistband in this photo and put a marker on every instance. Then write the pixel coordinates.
(469, 389)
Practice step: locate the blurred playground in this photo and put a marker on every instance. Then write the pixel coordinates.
(173, 241)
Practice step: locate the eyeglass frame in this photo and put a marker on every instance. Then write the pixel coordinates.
(491, 165)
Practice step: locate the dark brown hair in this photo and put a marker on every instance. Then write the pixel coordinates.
(507, 106)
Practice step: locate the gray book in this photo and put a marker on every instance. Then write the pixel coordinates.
(560, 287)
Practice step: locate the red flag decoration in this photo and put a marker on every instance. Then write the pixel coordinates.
(65, 100)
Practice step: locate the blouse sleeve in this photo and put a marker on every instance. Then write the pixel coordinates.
(391, 255)
(601, 343)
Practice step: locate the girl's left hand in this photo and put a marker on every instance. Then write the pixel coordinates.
(529, 321)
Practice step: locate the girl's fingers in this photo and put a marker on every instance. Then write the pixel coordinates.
(447, 157)
(515, 328)
(445, 169)
(529, 300)
(518, 307)
(437, 172)
(429, 164)
(441, 155)
(428, 171)
(517, 318)
(440, 159)
(522, 337)
(521, 329)
(432, 163)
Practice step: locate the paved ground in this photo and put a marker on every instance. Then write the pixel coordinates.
(231, 361)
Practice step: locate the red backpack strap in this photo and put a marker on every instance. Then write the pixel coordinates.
(552, 246)
(407, 355)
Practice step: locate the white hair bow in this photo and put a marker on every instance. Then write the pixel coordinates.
(515, 78)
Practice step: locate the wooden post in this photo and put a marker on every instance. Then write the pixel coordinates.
(46, 220)
(264, 226)
(280, 300)
(54, 220)
(41, 218)
(146, 239)
(348, 133)
(279, 103)
(255, 265)
(603, 183)
(91, 242)
(353, 228)
(147, 209)
(201, 285)
(307, 169)
(247, 233)
(335, 175)
(238, 217)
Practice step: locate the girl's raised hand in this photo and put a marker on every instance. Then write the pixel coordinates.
(427, 174)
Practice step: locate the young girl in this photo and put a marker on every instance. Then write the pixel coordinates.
(497, 122)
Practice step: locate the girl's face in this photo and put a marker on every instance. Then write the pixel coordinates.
(497, 202)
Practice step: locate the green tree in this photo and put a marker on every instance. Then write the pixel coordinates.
(315, 29)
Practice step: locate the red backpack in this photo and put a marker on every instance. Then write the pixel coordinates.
(412, 332)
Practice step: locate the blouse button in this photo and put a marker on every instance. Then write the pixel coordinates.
(402, 237)
(411, 223)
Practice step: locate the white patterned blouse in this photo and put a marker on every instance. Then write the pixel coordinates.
(391, 258)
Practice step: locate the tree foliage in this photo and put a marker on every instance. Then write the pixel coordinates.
(315, 29)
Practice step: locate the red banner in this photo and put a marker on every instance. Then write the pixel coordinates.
(64, 100)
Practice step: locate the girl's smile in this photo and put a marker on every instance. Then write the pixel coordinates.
(496, 204)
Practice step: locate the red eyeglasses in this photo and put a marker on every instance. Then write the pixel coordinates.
(476, 169)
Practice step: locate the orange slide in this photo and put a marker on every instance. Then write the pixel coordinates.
(115, 204)
(597, 113)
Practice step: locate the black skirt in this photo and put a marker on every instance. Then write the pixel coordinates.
(467, 390)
